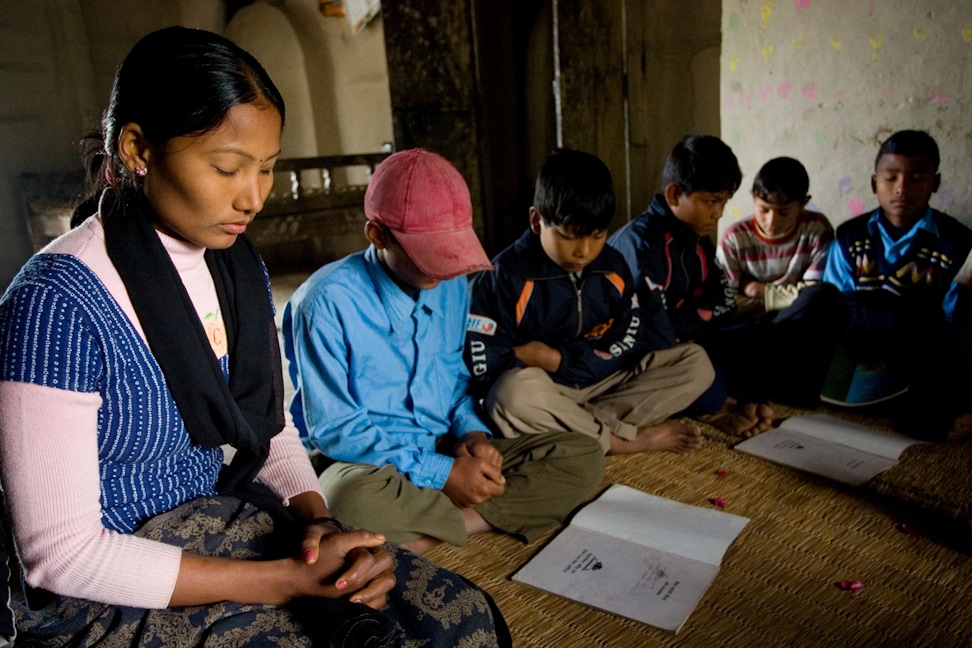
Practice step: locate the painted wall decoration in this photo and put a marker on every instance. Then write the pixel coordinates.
(825, 81)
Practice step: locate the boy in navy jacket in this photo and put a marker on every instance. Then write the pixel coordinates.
(671, 256)
(556, 338)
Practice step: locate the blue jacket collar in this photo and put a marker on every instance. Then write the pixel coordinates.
(398, 304)
(926, 222)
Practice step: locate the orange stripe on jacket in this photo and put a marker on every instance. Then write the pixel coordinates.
(618, 282)
(522, 301)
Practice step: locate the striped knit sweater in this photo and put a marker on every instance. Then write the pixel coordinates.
(91, 441)
(783, 264)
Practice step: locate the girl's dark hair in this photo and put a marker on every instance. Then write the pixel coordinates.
(783, 179)
(175, 81)
(574, 189)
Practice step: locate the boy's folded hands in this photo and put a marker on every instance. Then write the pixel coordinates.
(477, 472)
(753, 288)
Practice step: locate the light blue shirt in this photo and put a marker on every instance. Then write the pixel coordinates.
(840, 273)
(379, 376)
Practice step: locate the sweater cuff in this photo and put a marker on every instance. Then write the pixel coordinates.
(288, 471)
(777, 297)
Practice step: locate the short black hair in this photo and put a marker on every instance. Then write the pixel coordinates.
(910, 143)
(702, 163)
(783, 179)
(574, 189)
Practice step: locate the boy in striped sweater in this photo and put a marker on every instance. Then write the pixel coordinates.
(782, 248)
(774, 263)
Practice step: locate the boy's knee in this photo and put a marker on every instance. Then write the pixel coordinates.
(511, 381)
(831, 301)
(824, 291)
(578, 444)
(824, 303)
(592, 470)
(354, 492)
(515, 390)
(702, 368)
(583, 456)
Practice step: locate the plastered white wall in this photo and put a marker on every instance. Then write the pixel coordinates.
(825, 81)
(334, 82)
(266, 32)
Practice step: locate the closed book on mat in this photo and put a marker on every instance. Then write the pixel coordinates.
(828, 446)
(637, 555)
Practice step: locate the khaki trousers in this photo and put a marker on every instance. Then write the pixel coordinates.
(547, 475)
(528, 401)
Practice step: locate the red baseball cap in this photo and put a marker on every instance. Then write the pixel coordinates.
(424, 201)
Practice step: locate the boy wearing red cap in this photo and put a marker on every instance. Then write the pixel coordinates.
(375, 346)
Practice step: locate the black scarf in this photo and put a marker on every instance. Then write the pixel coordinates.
(245, 412)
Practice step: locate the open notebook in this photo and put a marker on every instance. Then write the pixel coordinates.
(637, 555)
(828, 446)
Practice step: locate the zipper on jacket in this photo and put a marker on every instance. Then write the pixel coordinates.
(687, 276)
(580, 307)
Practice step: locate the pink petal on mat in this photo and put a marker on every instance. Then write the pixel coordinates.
(850, 586)
(904, 528)
(720, 473)
(718, 501)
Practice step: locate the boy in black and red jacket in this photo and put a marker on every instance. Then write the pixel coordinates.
(556, 337)
(670, 254)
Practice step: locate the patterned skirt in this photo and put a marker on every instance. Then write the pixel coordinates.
(429, 607)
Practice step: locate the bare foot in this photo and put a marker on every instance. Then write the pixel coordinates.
(474, 522)
(421, 545)
(961, 428)
(765, 415)
(673, 436)
(741, 419)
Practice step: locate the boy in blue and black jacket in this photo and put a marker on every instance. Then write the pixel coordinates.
(905, 272)
(671, 256)
(556, 337)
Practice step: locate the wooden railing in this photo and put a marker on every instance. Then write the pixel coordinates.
(315, 212)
